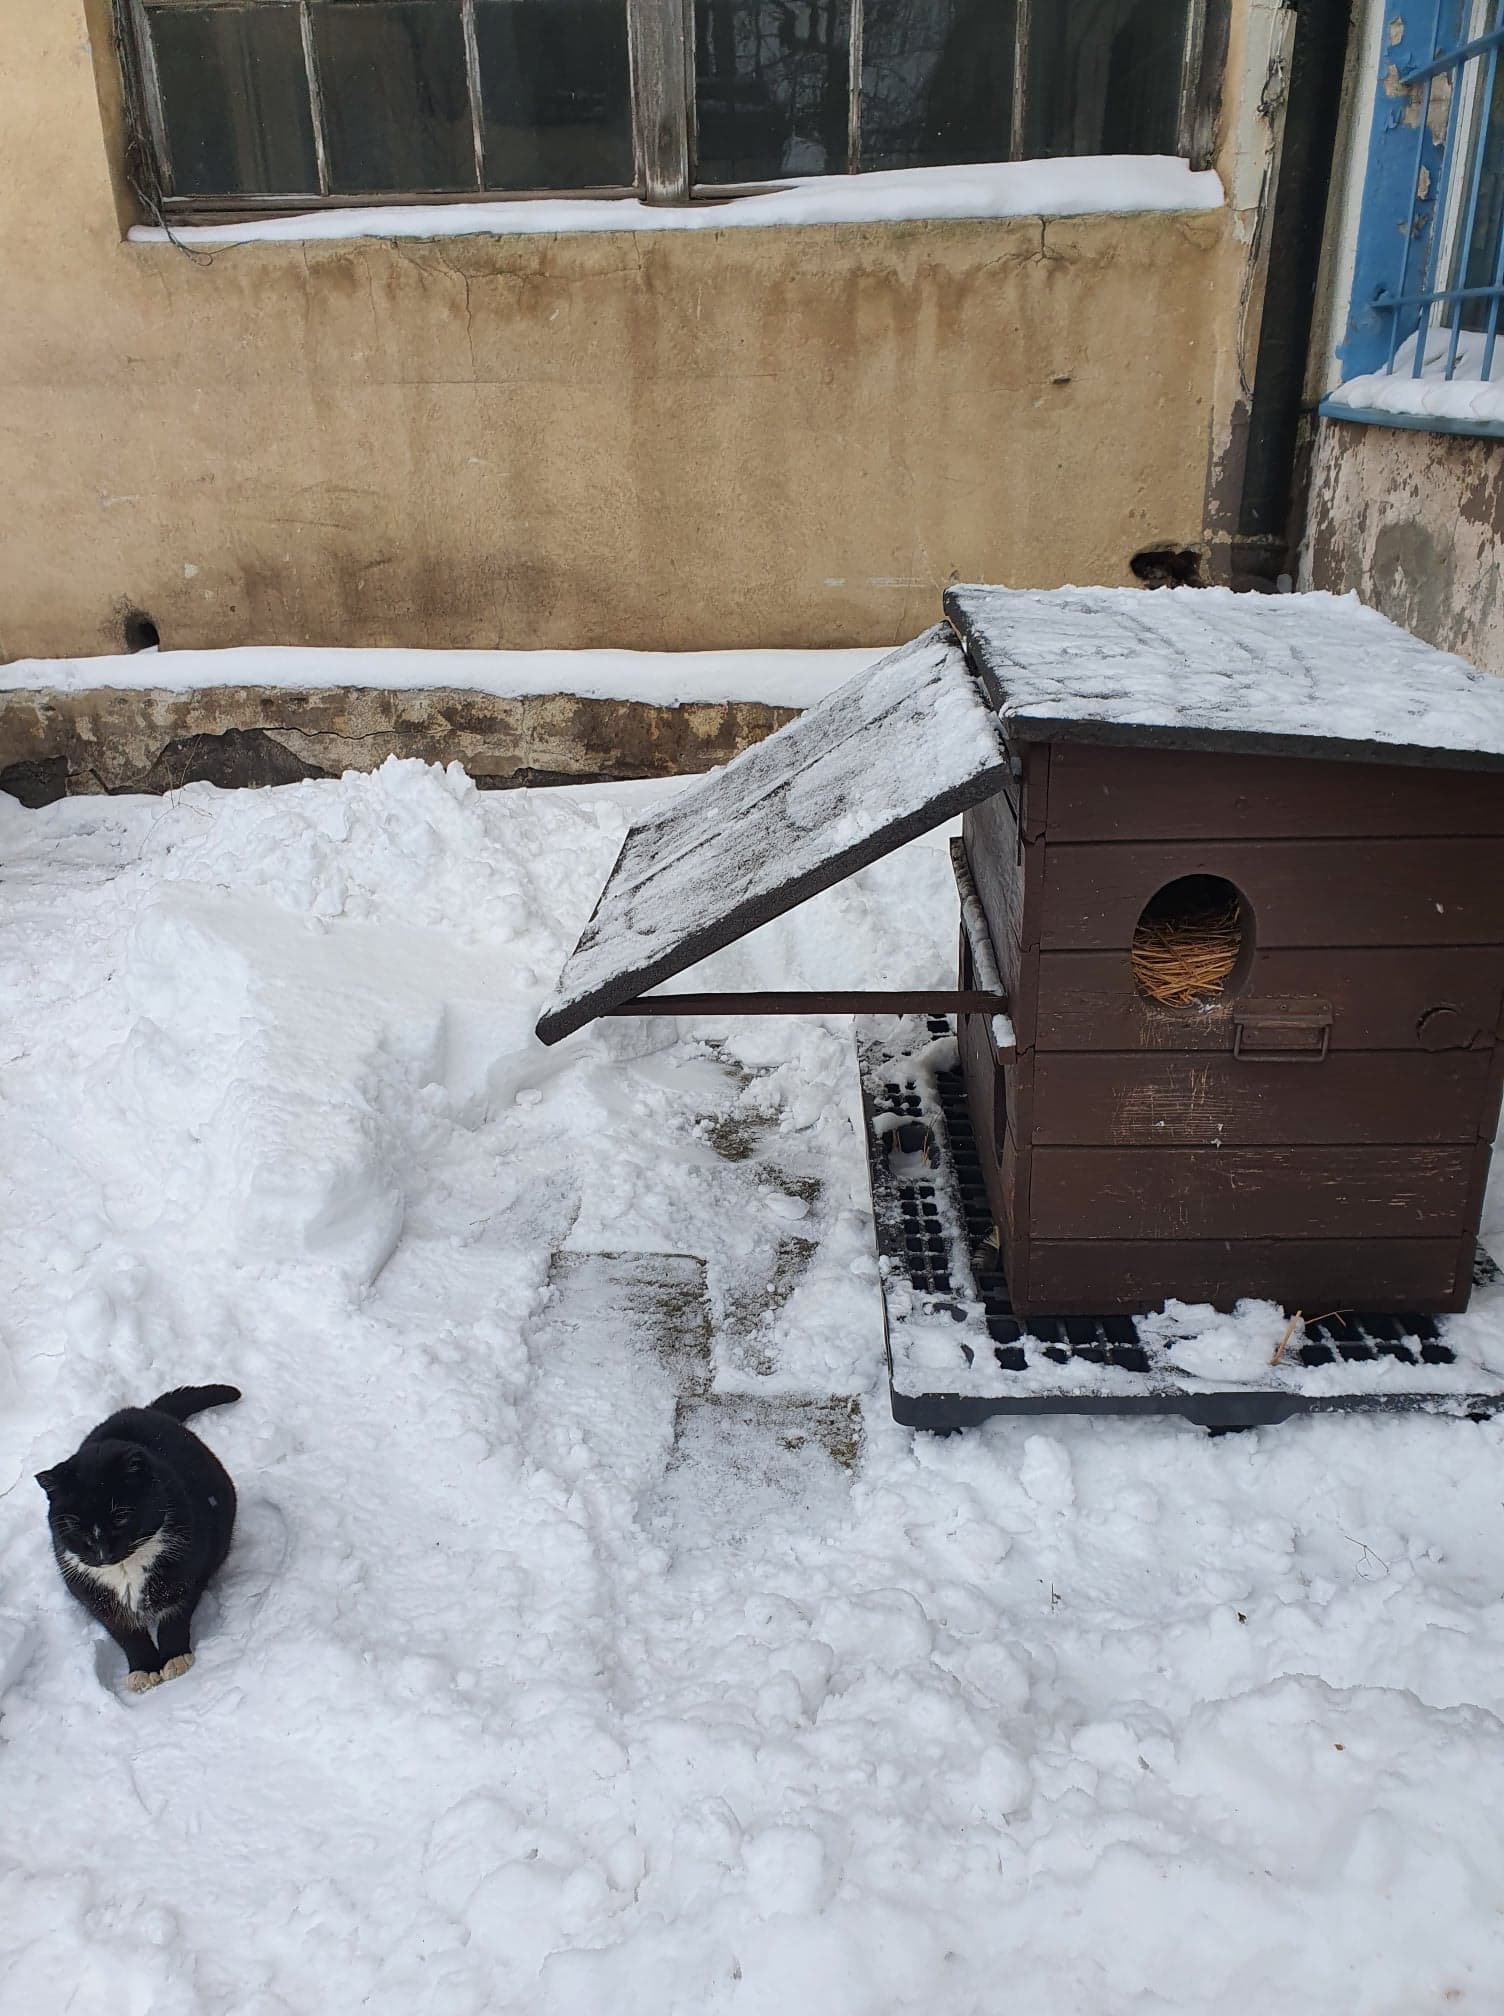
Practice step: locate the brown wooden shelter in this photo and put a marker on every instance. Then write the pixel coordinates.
(1315, 1126)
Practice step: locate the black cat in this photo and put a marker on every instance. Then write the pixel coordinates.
(141, 1517)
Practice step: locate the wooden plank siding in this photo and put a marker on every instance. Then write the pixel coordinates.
(1137, 1157)
(1382, 998)
(1160, 1100)
(1163, 794)
(1249, 1193)
(1098, 1276)
(1302, 892)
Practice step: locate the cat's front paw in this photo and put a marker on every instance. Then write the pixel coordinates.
(177, 1666)
(138, 1682)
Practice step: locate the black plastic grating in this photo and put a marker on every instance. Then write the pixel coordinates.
(1113, 1340)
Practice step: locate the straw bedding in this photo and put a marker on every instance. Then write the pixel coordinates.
(1183, 960)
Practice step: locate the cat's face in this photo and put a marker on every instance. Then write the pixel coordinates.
(103, 1503)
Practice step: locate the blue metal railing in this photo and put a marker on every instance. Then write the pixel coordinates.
(1430, 252)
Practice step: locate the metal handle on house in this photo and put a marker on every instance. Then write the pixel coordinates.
(1282, 1032)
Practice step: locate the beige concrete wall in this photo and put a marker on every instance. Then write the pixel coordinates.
(721, 438)
(1412, 521)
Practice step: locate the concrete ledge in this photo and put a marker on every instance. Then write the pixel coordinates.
(54, 745)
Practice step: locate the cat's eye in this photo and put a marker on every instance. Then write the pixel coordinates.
(122, 1518)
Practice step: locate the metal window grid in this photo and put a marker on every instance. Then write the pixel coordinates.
(661, 56)
(1433, 139)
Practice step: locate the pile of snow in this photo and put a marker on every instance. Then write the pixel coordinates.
(1434, 392)
(1085, 185)
(662, 678)
(530, 1686)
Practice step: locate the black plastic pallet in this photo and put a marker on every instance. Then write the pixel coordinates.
(916, 1248)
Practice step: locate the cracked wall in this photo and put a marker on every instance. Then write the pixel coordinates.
(780, 437)
(1412, 522)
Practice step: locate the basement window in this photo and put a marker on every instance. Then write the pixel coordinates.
(239, 107)
(1422, 347)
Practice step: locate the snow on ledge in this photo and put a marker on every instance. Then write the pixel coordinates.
(1086, 185)
(661, 678)
(1473, 399)
(1466, 396)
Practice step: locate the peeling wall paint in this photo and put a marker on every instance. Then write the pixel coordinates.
(1413, 522)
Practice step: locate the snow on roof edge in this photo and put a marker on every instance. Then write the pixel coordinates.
(1310, 674)
(1082, 185)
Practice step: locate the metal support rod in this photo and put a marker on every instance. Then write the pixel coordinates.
(907, 1001)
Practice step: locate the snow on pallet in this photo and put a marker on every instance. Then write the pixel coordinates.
(958, 1353)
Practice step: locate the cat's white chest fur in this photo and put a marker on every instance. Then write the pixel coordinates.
(126, 1580)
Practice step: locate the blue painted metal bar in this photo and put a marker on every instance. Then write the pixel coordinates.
(1484, 293)
(1463, 53)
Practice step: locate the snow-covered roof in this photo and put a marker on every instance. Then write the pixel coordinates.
(890, 754)
(1203, 668)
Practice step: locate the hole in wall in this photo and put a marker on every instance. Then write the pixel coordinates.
(1168, 567)
(139, 631)
(1193, 943)
(36, 780)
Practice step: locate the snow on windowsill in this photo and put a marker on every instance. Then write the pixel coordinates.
(1083, 186)
(660, 678)
(1466, 396)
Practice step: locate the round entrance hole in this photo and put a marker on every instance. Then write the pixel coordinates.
(1192, 943)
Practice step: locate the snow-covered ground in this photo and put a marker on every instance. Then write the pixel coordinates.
(582, 1650)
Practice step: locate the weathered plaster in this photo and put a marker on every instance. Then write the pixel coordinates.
(718, 438)
(151, 740)
(1412, 521)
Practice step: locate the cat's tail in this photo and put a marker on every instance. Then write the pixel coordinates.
(184, 1401)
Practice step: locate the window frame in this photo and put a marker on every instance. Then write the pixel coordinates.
(661, 62)
(1417, 215)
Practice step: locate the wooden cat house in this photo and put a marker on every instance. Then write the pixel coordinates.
(1231, 893)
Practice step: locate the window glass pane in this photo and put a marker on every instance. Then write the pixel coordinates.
(396, 104)
(1480, 256)
(771, 88)
(1104, 76)
(554, 85)
(937, 81)
(235, 101)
